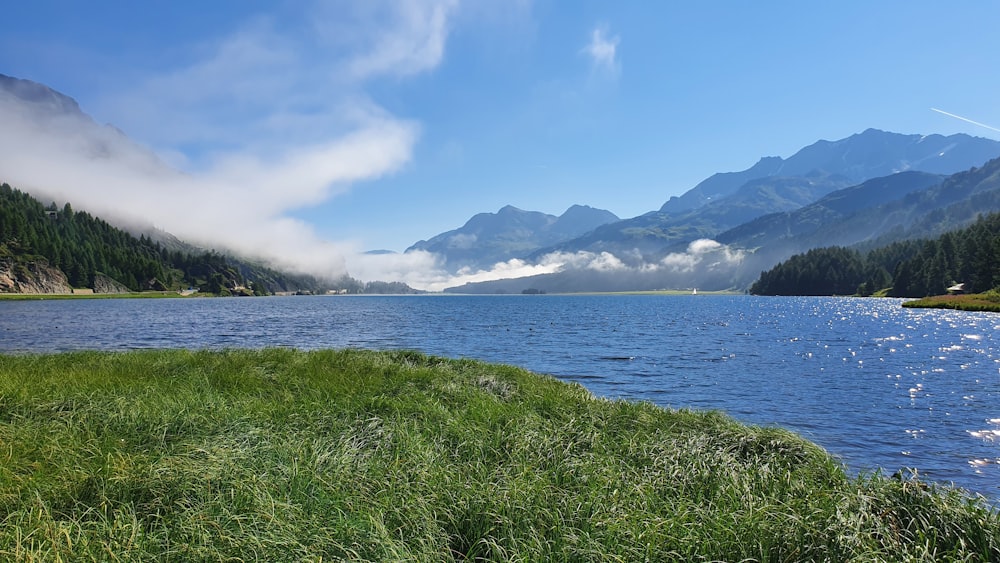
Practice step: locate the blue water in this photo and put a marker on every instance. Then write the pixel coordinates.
(877, 385)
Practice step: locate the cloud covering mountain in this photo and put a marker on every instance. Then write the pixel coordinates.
(711, 236)
(302, 148)
(490, 238)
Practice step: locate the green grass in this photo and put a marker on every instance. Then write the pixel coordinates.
(989, 301)
(283, 455)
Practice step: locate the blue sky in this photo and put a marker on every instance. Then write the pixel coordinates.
(470, 106)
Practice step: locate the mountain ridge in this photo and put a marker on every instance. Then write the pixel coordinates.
(49, 100)
(725, 202)
(721, 209)
(489, 238)
(870, 154)
(897, 207)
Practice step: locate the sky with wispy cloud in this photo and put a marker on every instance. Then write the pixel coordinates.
(311, 130)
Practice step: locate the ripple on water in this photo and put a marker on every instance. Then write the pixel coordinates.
(873, 383)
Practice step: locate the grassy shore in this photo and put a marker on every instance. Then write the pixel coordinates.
(972, 302)
(283, 455)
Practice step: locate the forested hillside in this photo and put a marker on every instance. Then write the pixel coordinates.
(85, 248)
(914, 268)
(76, 243)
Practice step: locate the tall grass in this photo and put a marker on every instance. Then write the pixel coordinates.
(283, 455)
(988, 302)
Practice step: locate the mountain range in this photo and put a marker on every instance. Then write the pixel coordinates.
(871, 186)
(488, 238)
(874, 186)
(25, 104)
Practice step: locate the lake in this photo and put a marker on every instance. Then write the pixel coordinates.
(877, 385)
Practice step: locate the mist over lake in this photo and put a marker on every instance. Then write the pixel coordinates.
(875, 384)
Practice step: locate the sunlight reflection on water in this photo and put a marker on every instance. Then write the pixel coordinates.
(874, 383)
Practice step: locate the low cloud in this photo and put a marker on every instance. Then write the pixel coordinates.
(704, 259)
(603, 50)
(702, 252)
(250, 128)
(422, 270)
(246, 131)
(239, 204)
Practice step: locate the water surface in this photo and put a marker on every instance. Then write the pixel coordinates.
(877, 385)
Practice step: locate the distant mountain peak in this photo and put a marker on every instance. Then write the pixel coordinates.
(40, 95)
(509, 209)
(871, 153)
(488, 238)
(577, 209)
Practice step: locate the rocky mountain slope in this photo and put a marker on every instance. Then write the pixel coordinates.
(901, 206)
(730, 201)
(31, 276)
(725, 201)
(488, 238)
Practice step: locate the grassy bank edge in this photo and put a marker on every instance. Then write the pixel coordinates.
(282, 454)
(989, 302)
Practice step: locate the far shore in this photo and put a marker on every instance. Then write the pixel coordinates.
(190, 294)
(91, 295)
(989, 302)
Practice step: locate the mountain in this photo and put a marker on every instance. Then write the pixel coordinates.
(726, 200)
(720, 185)
(902, 206)
(489, 238)
(648, 235)
(837, 206)
(43, 131)
(869, 154)
(965, 258)
(43, 99)
(29, 106)
(51, 249)
(953, 203)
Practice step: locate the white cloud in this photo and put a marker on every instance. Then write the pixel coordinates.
(423, 270)
(287, 128)
(606, 262)
(603, 50)
(698, 251)
(413, 40)
(240, 204)
(426, 271)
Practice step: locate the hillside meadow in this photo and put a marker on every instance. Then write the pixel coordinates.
(286, 455)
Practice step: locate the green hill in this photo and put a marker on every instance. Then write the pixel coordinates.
(908, 268)
(38, 241)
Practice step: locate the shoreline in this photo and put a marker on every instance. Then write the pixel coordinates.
(359, 454)
(130, 295)
(977, 302)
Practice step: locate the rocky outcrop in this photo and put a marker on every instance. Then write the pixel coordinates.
(104, 284)
(35, 276)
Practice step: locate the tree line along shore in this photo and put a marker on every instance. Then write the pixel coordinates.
(957, 270)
